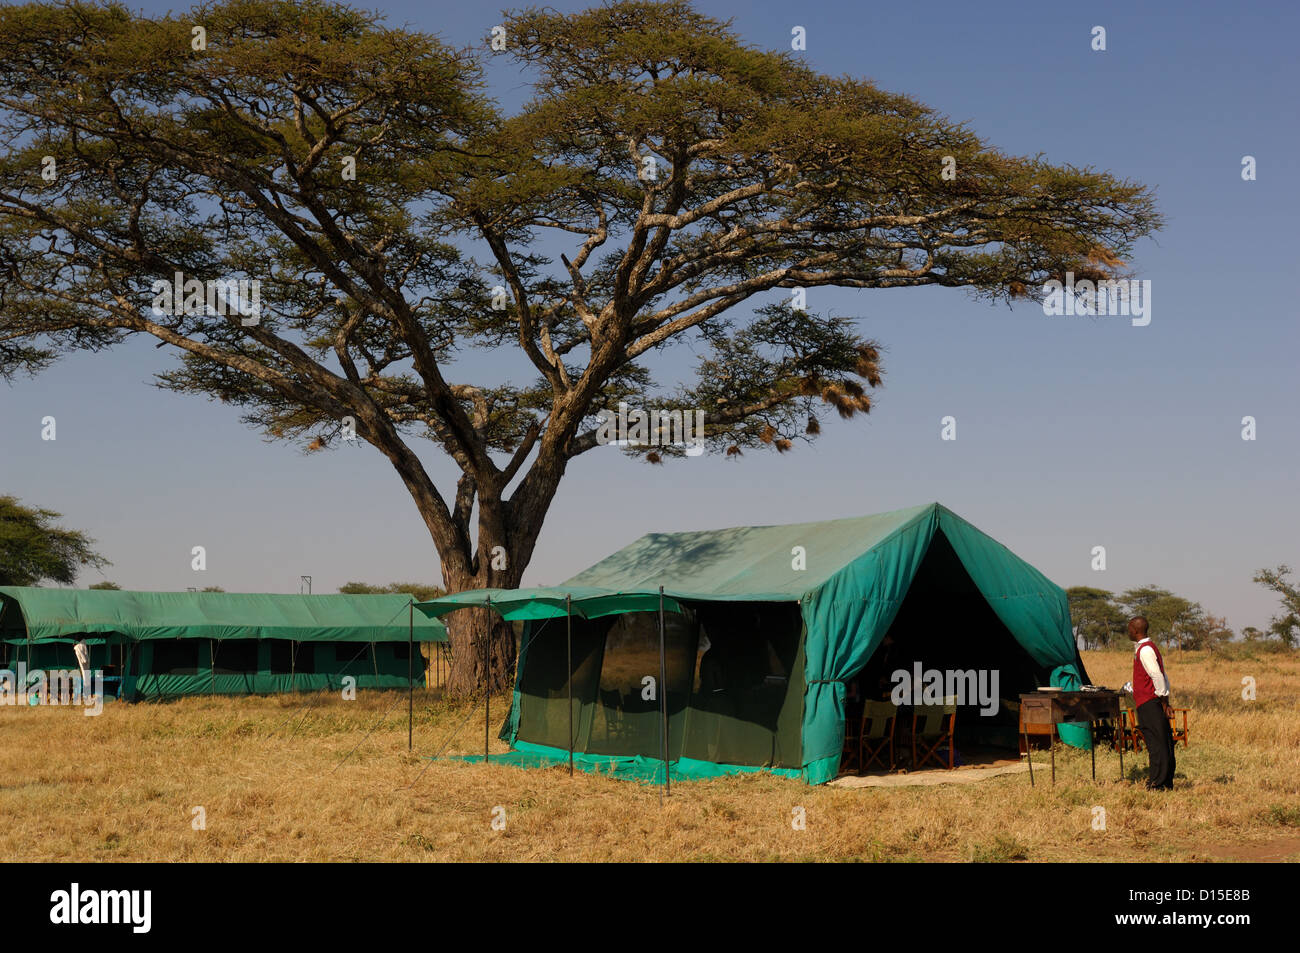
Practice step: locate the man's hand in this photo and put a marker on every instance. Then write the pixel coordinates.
(1169, 711)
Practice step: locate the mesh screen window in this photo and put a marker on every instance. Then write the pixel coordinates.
(746, 703)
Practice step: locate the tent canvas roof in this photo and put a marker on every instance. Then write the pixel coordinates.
(753, 563)
(857, 572)
(46, 614)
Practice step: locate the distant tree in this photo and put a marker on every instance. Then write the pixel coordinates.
(1208, 632)
(34, 549)
(212, 589)
(1171, 619)
(1096, 619)
(1286, 626)
(421, 591)
(105, 585)
(1252, 634)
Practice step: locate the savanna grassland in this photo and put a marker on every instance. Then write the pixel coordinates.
(317, 778)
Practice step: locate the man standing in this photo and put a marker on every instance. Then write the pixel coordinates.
(1150, 688)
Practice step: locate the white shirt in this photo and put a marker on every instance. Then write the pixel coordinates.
(1147, 656)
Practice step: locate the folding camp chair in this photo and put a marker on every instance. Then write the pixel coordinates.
(876, 735)
(932, 726)
(1180, 733)
(1134, 734)
(1127, 732)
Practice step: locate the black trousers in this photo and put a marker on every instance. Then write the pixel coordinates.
(1159, 738)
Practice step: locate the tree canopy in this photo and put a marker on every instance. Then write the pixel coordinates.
(35, 549)
(1097, 619)
(1101, 618)
(320, 215)
(1285, 626)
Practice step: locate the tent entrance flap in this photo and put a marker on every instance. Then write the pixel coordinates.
(946, 626)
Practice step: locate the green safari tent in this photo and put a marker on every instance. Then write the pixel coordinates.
(766, 629)
(163, 644)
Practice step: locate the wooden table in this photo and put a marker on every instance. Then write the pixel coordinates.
(1053, 708)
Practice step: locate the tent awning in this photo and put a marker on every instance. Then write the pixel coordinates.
(48, 614)
(551, 602)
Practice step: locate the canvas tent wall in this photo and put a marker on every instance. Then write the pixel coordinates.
(795, 613)
(181, 643)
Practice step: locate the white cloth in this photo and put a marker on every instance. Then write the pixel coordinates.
(83, 658)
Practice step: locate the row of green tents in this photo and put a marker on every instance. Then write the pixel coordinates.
(167, 644)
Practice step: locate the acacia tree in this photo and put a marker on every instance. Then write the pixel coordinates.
(1095, 616)
(34, 548)
(1170, 618)
(1287, 625)
(664, 178)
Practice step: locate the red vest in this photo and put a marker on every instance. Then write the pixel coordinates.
(1143, 688)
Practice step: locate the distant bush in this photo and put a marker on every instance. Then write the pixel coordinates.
(1252, 649)
(421, 591)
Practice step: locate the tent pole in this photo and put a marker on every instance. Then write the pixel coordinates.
(568, 623)
(663, 696)
(487, 682)
(410, 675)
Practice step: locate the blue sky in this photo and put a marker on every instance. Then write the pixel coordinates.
(1072, 432)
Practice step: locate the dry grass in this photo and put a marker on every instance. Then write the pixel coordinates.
(271, 776)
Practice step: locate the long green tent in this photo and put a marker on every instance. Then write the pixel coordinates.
(768, 626)
(181, 643)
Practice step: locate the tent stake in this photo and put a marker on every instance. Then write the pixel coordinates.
(568, 635)
(663, 697)
(410, 675)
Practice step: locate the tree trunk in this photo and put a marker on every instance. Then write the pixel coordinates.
(469, 630)
(482, 643)
(483, 648)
